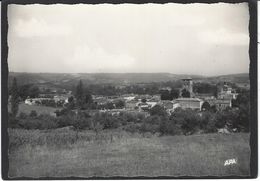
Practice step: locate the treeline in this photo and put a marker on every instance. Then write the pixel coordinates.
(181, 122)
(77, 115)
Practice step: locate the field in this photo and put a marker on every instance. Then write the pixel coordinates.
(64, 153)
(39, 109)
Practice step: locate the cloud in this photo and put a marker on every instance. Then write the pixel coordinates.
(97, 59)
(224, 37)
(176, 38)
(39, 28)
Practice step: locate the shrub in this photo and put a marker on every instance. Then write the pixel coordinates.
(132, 128)
(152, 128)
(158, 110)
(208, 122)
(22, 115)
(43, 121)
(66, 119)
(12, 121)
(169, 127)
(111, 122)
(33, 113)
(151, 124)
(188, 120)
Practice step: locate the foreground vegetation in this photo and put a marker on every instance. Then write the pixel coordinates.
(64, 152)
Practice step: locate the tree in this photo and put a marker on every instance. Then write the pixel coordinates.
(14, 98)
(158, 110)
(71, 103)
(165, 95)
(33, 92)
(109, 105)
(79, 96)
(174, 93)
(188, 120)
(208, 122)
(120, 104)
(88, 98)
(243, 104)
(185, 93)
(205, 106)
(143, 100)
(33, 114)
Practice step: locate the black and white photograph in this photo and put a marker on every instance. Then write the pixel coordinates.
(128, 90)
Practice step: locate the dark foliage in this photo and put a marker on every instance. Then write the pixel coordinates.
(14, 98)
(158, 110)
(185, 93)
(205, 106)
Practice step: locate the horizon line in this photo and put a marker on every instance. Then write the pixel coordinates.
(129, 73)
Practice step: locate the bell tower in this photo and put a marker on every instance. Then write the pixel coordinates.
(188, 85)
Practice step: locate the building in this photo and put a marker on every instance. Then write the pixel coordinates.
(226, 92)
(188, 85)
(151, 104)
(191, 103)
(30, 101)
(131, 105)
(166, 104)
(205, 96)
(223, 103)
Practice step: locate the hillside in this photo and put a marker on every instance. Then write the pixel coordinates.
(56, 79)
(65, 80)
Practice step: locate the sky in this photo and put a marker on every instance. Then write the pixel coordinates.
(203, 39)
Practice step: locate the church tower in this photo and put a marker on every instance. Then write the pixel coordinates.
(188, 85)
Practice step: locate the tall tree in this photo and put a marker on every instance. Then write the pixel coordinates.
(205, 106)
(79, 95)
(14, 98)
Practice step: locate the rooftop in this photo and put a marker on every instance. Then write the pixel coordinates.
(189, 99)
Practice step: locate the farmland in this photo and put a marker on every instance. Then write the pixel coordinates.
(64, 152)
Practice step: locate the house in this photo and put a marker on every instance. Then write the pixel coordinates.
(58, 98)
(191, 103)
(224, 95)
(155, 98)
(143, 106)
(131, 105)
(151, 104)
(223, 103)
(166, 104)
(29, 102)
(227, 92)
(205, 96)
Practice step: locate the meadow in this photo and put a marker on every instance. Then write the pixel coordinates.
(65, 152)
(38, 108)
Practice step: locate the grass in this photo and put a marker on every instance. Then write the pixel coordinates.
(39, 109)
(64, 153)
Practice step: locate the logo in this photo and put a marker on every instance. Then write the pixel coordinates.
(230, 162)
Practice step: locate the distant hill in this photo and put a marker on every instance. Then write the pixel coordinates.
(95, 78)
(65, 80)
(235, 78)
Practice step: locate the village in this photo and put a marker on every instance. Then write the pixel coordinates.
(143, 103)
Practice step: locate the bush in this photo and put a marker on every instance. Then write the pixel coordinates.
(33, 113)
(151, 124)
(188, 120)
(22, 115)
(66, 119)
(132, 128)
(43, 121)
(208, 122)
(158, 110)
(12, 121)
(152, 128)
(169, 127)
